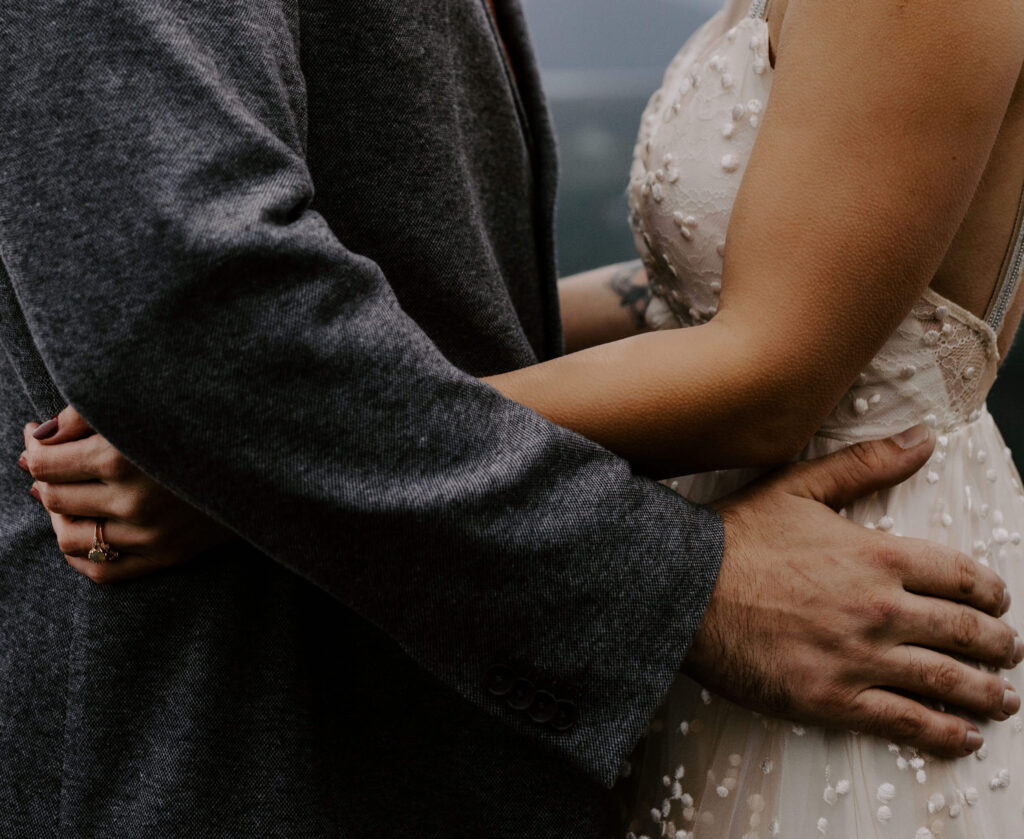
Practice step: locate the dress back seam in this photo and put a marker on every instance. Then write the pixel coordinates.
(1009, 274)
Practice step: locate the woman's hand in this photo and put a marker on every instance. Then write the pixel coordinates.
(79, 477)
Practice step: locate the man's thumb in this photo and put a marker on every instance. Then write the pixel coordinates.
(863, 468)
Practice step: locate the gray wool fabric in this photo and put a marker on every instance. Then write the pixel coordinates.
(266, 248)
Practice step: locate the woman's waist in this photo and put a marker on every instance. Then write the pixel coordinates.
(916, 378)
(975, 442)
(879, 412)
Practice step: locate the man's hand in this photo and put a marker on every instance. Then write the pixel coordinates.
(80, 477)
(817, 619)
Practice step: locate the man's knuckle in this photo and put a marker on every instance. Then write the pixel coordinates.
(881, 611)
(948, 737)
(904, 723)
(834, 700)
(941, 736)
(965, 573)
(845, 473)
(866, 718)
(864, 458)
(994, 691)
(888, 554)
(944, 678)
(966, 629)
(995, 596)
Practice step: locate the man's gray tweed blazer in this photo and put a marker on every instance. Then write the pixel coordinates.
(266, 247)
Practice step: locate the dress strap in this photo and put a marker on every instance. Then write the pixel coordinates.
(1012, 268)
(759, 9)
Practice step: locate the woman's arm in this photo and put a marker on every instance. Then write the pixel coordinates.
(881, 121)
(603, 305)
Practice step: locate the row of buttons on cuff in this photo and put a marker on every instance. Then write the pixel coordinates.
(522, 694)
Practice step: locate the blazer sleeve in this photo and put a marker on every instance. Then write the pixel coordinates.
(155, 225)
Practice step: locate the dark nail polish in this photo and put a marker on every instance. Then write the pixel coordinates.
(46, 430)
(23, 462)
(35, 494)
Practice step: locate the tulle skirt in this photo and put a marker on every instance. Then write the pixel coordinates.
(708, 769)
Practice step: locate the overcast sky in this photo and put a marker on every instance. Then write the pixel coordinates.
(576, 34)
(620, 46)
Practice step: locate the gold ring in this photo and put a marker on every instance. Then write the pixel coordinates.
(101, 551)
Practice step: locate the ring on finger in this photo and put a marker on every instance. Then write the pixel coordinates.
(101, 551)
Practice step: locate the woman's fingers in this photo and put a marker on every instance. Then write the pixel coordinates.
(961, 630)
(126, 567)
(66, 426)
(141, 551)
(87, 500)
(89, 459)
(901, 720)
(75, 536)
(938, 677)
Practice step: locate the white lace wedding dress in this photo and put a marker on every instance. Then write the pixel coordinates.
(706, 768)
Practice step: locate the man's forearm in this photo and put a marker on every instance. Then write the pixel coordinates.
(188, 301)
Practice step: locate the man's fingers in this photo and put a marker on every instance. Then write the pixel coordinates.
(954, 628)
(858, 470)
(927, 568)
(933, 675)
(901, 720)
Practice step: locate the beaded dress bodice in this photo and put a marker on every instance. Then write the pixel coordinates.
(695, 140)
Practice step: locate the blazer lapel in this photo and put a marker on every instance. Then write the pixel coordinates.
(510, 72)
(508, 16)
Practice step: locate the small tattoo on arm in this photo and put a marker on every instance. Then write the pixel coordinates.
(634, 296)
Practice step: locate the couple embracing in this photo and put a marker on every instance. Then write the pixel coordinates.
(278, 283)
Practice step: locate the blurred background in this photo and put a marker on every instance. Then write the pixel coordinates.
(601, 60)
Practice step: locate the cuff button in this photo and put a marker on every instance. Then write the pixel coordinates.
(522, 694)
(499, 681)
(566, 715)
(544, 707)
